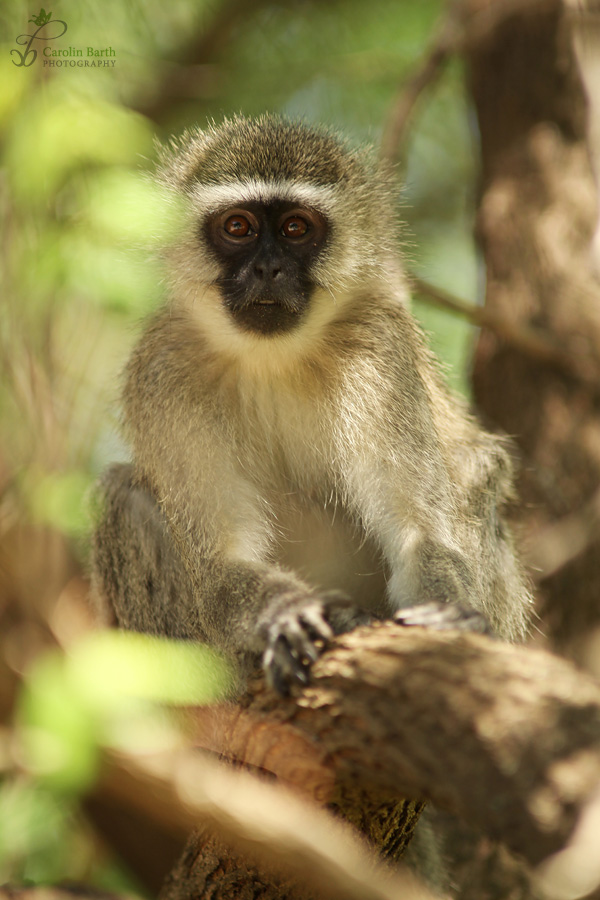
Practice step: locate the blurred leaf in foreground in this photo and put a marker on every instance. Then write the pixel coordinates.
(110, 690)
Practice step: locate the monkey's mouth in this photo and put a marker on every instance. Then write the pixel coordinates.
(266, 315)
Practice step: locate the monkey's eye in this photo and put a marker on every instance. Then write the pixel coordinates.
(238, 226)
(294, 227)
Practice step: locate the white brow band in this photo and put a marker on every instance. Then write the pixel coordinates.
(216, 196)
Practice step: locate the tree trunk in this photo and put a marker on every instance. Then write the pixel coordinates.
(536, 221)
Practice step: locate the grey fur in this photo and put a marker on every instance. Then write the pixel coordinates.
(270, 470)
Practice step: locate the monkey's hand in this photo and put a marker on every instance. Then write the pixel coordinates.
(442, 616)
(298, 630)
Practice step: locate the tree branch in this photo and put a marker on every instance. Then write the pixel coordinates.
(560, 542)
(462, 27)
(270, 826)
(537, 344)
(194, 73)
(536, 222)
(506, 737)
(425, 73)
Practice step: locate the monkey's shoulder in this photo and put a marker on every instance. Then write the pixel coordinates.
(167, 380)
(169, 353)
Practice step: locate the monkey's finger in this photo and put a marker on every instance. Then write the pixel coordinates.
(283, 668)
(296, 631)
(313, 618)
(442, 616)
(342, 614)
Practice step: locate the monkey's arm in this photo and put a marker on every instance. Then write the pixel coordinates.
(436, 555)
(183, 545)
(430, 485)
(247, 609)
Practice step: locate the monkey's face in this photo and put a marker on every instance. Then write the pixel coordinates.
(266, 252)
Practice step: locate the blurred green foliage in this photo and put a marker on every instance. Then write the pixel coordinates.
(81, 224)
(111, 690)
(105, 692)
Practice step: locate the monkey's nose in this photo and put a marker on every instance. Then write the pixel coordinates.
(267, 271)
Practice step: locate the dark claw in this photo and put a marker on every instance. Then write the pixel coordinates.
(318, 628)
(283, 666)
(299, 634)
(443, 616)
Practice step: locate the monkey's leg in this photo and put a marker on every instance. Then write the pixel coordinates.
(139, 582)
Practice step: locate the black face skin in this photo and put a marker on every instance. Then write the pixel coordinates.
(266, 252)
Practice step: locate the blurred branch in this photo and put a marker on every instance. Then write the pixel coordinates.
(575, 871)
(46, 892)
(425, 73)
(464, 24)
(267, 823)
(506, 737)
(533, 342)
(195, 56)
(536, 221)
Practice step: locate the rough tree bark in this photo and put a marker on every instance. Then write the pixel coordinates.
(536, 221)
(506, 737)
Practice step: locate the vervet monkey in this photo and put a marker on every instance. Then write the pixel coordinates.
(298, 463)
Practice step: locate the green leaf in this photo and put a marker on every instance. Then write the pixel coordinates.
(59, 730)
(109, 690)
(111, 668)
(62, 131)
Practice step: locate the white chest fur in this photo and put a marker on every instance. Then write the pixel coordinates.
(324, 547)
